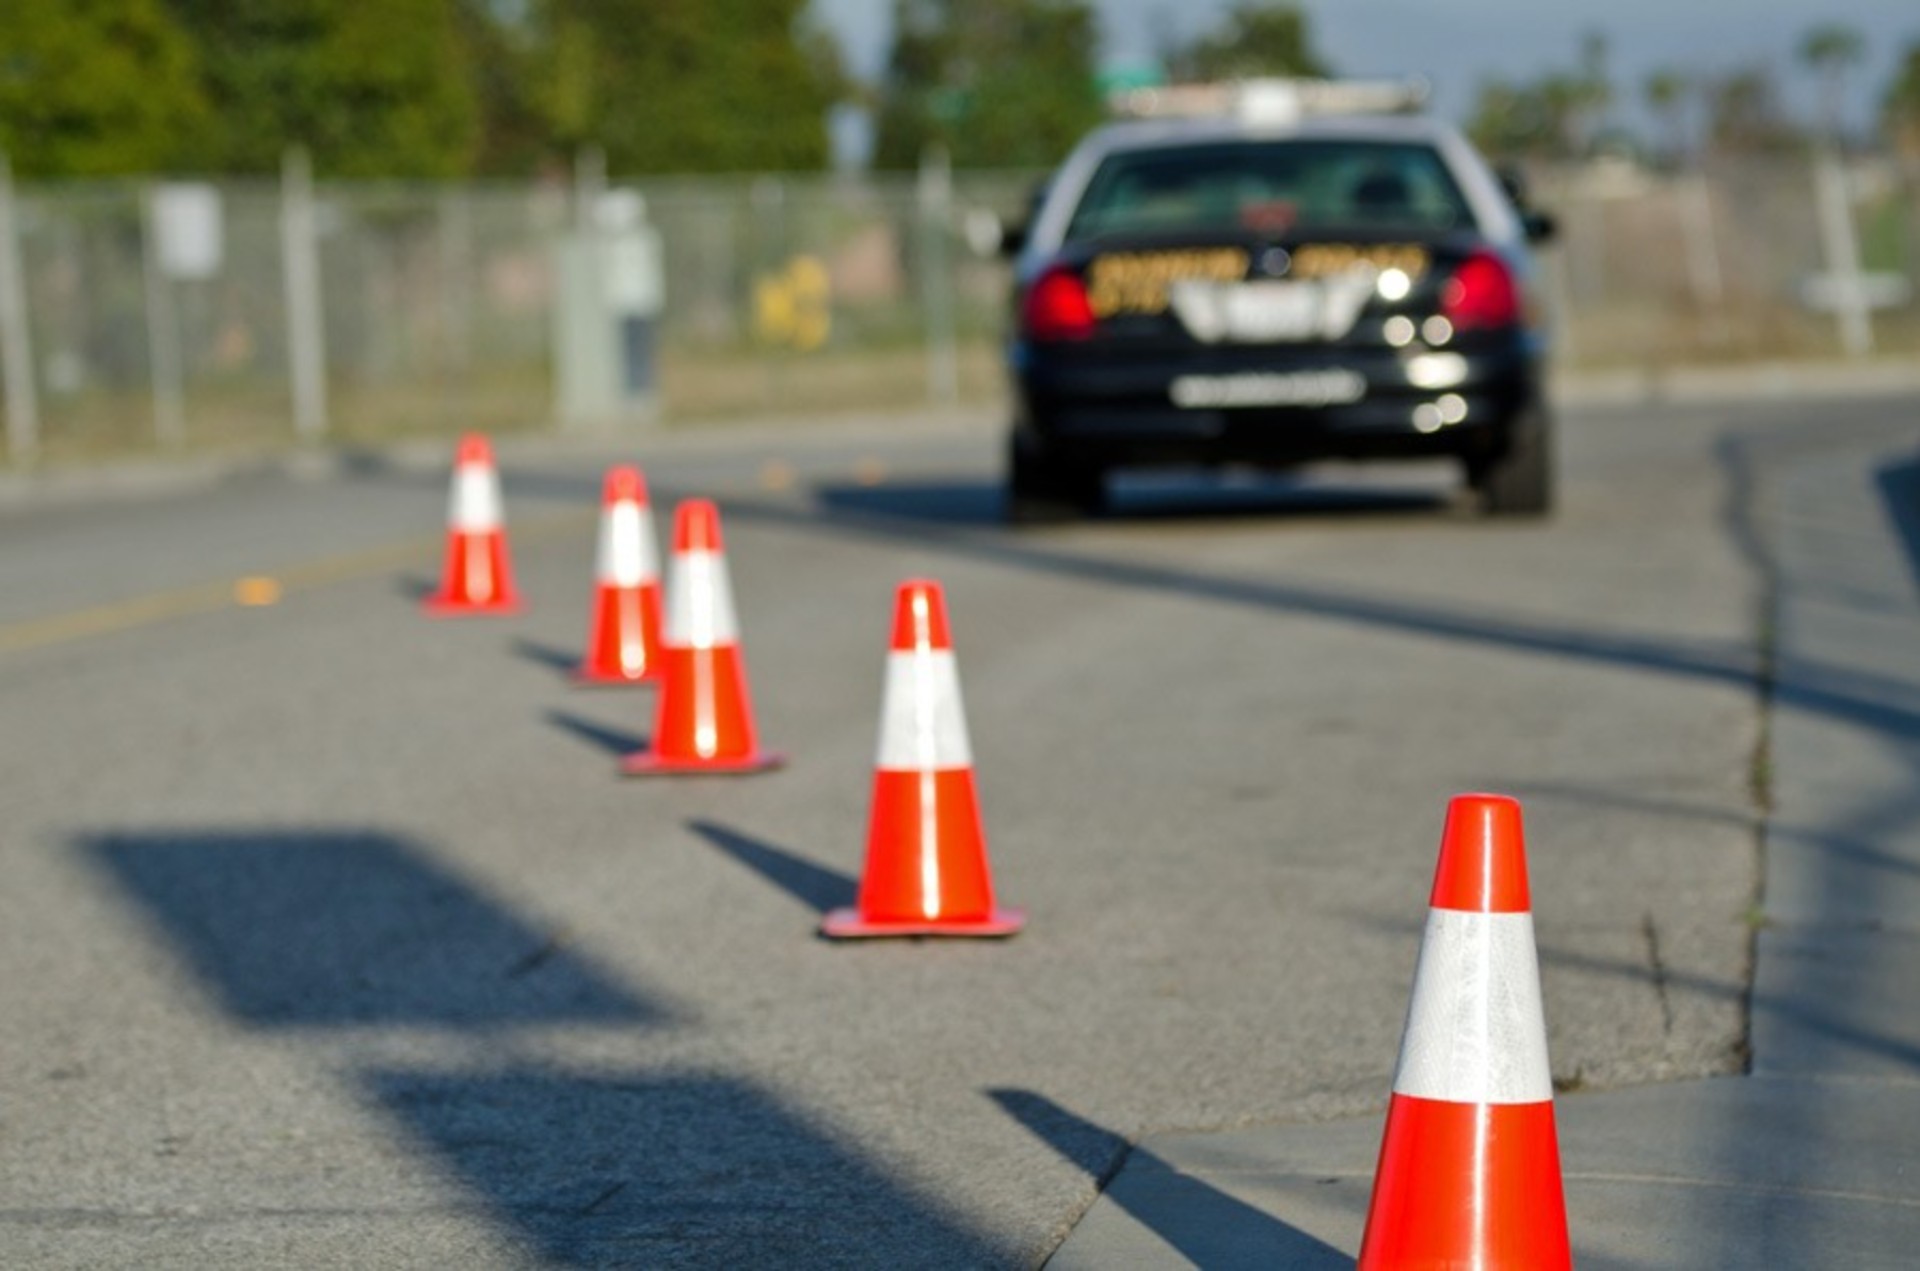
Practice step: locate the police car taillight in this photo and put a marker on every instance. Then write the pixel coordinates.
(1057, 308)
(1481, 295)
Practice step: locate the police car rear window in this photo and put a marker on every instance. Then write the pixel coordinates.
(1271, 187)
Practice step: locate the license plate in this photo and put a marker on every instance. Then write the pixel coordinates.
(1267, 388)
(1270, 312)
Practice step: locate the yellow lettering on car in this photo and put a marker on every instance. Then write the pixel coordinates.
(1137, 282)
(1327, 260)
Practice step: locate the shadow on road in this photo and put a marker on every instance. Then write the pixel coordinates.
(889, 514)
(551, 656)
(1204, 1224)
(815, 886)
(415, 587)
(1899, 483)
(685, 1170)
(615, 741)
(980, 502)
(325, 928)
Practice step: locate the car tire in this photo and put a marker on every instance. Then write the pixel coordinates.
(1519, 480)
(1043, 488)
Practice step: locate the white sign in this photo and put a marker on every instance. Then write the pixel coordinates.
(187, 230)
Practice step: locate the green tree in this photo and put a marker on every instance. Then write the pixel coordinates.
(1830, 50)
(998, 83)
(1591, 93)
(1900, 105)
(1537, 120)
(513, 136)
(95, 87)
(1251, 40)
(1668, 93)
(1744, 115)
(372, 90)
(686, 85)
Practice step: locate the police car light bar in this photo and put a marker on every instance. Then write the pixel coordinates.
(1272, 101)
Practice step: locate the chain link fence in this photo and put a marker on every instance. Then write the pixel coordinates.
(434, 309)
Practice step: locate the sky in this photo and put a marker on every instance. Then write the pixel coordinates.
(1456, 44)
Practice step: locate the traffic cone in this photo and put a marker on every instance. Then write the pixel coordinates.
(623, 633)
(1469, 1172)
(703, 721)
(477, 577)
(926, 871)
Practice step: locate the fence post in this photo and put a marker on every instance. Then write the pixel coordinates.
(935, 191)
(300, 261)
(1703, 252)
(454, 238)
(165, 376)
(1841, 246)
(16, 349)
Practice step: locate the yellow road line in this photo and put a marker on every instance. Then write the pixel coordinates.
(140, 611)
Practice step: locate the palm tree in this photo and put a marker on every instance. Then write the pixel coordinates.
(1666, 91)
(1829, 51)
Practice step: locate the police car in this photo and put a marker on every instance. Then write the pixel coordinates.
(1270, 272)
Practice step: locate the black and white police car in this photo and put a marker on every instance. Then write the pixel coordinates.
(1270, 272)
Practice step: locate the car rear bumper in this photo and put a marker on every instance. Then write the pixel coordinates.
(1255, 408)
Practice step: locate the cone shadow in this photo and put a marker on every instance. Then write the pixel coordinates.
(683, 1170)
(1899, 486)
(615, 741)
(339, 928)
(1204, 1224)
(415, 587)
(547, 655)
(815, 886)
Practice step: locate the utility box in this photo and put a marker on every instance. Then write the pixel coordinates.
(611, 290)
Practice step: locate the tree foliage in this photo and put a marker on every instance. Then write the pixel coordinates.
(1745, 114)
(998, 83)
(96, 87)
(370, 89)
(1669, 95)
(685, 85)
(1538, 119)
(1251, 40)
(1900, 105)
(412, 88)
(1561, 114)
(1830, 50)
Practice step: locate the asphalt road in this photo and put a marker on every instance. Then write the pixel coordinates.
(329, 936)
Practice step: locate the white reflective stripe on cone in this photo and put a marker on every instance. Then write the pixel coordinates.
(626, 557)
(1475, 1029)
(700, 602)
(922, 726)
(476, 499)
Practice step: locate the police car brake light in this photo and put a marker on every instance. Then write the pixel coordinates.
(1481, 295)
(1271, 101)
(1056, 307)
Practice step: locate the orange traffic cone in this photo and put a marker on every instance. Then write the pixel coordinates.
(1469, 1172)
(926, 869)
(623, 634)
(703, 721)
(477, 578)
